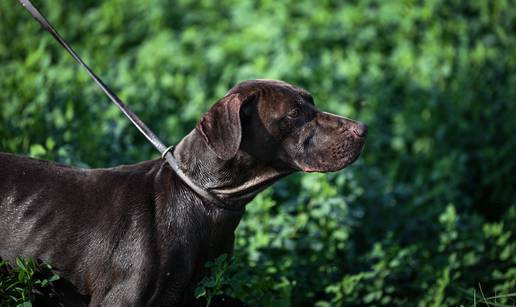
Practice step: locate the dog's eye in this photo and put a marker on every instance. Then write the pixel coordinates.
(294, 113)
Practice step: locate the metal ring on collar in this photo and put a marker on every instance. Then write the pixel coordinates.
(165, 152)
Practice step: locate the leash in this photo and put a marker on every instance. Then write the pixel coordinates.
(166, 152)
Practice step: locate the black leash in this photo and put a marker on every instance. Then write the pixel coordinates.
(166, 152)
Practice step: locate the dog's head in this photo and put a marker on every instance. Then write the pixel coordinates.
(276, 122)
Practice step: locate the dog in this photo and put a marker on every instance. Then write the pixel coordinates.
(137, 235)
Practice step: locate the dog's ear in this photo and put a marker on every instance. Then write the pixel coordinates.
(221, 127)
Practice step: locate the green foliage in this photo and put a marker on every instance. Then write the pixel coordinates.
(427, 214)
(212, 285)
(20, 284)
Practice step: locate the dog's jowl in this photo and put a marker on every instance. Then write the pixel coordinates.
(138, 235)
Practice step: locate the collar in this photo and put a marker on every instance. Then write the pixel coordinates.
(168, 156)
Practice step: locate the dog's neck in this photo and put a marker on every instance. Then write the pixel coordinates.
(236, 181)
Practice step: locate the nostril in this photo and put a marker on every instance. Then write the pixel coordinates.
(360, 129)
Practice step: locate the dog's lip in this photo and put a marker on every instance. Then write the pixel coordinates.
(328, 167)
(350, 157)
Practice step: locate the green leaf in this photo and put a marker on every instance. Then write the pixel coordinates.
(20, 263)
(21, 276)
(210, 283)
(25, 304)
(200, 292)
(37, 150)
(50, 143)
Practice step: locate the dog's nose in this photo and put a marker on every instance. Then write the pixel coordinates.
(360, 130)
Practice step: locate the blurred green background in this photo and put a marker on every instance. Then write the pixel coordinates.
(425, 217)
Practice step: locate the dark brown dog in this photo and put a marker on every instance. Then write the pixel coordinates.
(136, 235)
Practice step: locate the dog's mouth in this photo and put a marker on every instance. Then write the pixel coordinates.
(333, 158)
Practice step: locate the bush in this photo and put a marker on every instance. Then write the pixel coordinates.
(20, 284)
(427, 214)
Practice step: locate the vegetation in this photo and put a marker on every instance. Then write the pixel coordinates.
(19, 285)
(426, 216)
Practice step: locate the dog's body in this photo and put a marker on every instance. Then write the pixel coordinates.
(137, 235)
(125, 233)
